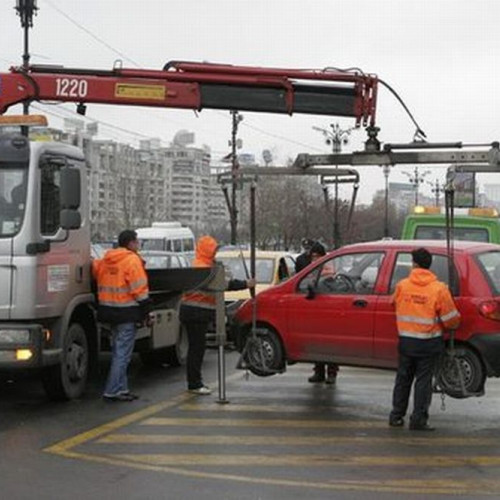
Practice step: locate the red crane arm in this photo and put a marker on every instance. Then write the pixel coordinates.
(197, 86)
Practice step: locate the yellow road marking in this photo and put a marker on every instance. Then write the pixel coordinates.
(67, 444)
(290, 440)
(264, 408)
(256, 422)
(310, 460)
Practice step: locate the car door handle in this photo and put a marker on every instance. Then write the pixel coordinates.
(360, 303)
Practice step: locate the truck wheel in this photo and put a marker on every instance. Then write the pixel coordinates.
(465, 366)
(67, 380)
(177, 354)
(263, 354)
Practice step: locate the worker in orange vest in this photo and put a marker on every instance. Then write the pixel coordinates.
(424, 306)
(123, 296)
(198, 310)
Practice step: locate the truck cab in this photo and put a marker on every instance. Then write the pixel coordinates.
(46, 319)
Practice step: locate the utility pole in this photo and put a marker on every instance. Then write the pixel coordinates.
(235, 144)
(386, 170)
(336, 138)
(416, 179)
(25, 10)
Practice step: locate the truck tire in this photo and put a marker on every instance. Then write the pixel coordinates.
(68, 379)
(466, 366)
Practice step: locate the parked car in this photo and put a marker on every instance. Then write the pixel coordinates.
(339, 310)
(157, 259)
(271, 268)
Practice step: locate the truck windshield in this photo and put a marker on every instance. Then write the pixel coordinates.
(459, 233)
(12, 200)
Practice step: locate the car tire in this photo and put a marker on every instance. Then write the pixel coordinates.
(263, 353)
(464, 365)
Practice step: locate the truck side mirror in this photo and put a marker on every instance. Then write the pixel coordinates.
(70, 217)
(70, 188)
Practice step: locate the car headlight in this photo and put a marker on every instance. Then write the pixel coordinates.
(20, 336)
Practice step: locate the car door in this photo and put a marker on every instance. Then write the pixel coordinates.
(331, 315)
(386, 334)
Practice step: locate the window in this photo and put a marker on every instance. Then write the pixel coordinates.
(459, 233)
(49, 199)
(490, 265)
(345, 274)
(439, 267)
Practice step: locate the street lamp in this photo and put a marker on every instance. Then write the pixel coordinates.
(386, 169)
(436, 189)
(234, 143)
(336, 138)
(26, 9)
(416, 179)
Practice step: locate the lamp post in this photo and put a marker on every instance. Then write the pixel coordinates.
(335, 138)
(234, 143)
(436, 189)
(25, 10)
(416, 179)
(386, 169)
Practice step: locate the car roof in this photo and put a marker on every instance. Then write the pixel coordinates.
(458, 245)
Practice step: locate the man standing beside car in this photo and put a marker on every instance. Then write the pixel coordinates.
(424, 306)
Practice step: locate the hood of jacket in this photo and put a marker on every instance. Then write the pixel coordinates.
(421, 277)
(206, 248)
(116, 255)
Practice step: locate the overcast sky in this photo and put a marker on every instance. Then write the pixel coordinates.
(441, 56)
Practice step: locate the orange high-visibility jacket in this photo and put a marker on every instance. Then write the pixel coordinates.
(424, 306)
(122, 286)
(206, 248)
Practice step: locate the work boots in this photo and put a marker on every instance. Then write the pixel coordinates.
(331, 374)
(319, 373)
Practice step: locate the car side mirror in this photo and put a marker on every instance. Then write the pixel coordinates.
(311, 292)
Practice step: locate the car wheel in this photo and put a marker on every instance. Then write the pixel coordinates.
(67, 379)
(263, 353)
(461, 375)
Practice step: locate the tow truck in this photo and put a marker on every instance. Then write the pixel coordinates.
(47, 318)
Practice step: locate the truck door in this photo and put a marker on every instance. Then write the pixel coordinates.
(14, 164)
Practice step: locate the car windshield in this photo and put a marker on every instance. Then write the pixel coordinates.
(264, 268)
(490, 264)
(12, 200)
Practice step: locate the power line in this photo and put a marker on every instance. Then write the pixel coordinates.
(95, 37)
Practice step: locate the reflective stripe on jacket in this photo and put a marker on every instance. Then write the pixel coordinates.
(423, 306)
(122, 286)
(206, 248)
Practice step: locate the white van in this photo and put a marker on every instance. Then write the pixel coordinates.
(167, 236)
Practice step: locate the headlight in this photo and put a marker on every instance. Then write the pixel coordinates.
(14, 336)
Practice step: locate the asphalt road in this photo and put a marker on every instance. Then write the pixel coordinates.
(277, 438)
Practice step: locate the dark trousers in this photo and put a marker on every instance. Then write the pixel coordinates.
(196, 321)
(415, 365)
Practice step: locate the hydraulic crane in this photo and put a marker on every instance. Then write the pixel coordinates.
(196, 86)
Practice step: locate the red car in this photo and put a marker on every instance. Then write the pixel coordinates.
(339, 310)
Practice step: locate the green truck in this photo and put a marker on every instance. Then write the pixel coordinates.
(473, 224)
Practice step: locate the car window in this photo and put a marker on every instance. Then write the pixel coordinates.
(403, 266)
(345, 274)
(489, 262)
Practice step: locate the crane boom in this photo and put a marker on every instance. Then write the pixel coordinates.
(197, 86)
